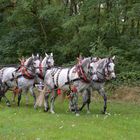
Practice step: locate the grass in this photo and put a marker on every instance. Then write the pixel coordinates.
(25, 123)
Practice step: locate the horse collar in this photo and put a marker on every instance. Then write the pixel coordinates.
(82, 74)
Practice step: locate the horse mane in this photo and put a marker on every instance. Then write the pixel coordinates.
(86, 60)
(44, 60)
(102, 63)
(28, 62)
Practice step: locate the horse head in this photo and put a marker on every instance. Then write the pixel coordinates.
(36, 60)
(46, 63)
(93, 67)
(32, 63)
(104, 69)
(109, 68)
(84, 70)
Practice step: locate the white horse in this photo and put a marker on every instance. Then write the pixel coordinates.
(22, 79)
(79, 75)
(46, 64)
(104, 71)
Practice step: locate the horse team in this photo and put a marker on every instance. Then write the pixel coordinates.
(87, 74)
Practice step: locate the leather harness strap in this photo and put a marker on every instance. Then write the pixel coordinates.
(82, 74)
(58, 77)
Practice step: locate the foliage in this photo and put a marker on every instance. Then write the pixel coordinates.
(69, 28)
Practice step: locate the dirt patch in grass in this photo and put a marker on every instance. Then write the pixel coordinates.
(125, 93)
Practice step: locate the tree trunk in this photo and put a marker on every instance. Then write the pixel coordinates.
(138, 27)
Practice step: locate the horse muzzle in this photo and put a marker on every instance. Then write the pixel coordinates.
(112, 75)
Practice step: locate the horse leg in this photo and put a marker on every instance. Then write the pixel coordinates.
(46, 103)
(86, 100)
(19, 98)
(13, 97)
(103, 94)
(75, 103)
(52, 101)
(33, 94)
(71, 106)
(0, 97)
(6, 100)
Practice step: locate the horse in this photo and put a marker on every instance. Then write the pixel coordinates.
(74, 79)
(44, 65)
(21, 78)
(104, 71)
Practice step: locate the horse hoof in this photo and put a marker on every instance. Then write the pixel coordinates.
(88, 112)
(72, 110)
(8, 104)
(46, 109)
(77, 114)
(103, 112)
(52, 112)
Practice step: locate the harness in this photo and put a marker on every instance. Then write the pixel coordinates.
(82, 74)
(40, 75)
(24, 70)
(105, 73)
(26, 74)
(58, 77)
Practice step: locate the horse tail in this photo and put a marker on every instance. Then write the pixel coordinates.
(41, 97)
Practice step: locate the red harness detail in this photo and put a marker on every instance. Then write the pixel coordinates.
(24, 71)
(81, 73)
(58, 91)
(26, 74)
(74, 89)
(41, 71)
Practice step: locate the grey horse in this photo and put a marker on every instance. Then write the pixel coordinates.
(61, 78)
(104, 71)
(21, 78)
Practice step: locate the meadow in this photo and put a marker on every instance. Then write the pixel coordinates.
(25, 123)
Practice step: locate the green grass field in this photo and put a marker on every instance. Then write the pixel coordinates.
(25, 123)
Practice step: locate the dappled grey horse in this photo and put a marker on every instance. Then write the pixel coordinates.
(104, 71)
(61, 78)
(22, 78)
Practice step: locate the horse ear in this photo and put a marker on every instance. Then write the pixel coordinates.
(33, 56)
(37, 55)
(19, 59)
(46, 54)
(113, 58)
(51, 54)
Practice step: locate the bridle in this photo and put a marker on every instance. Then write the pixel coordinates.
(81, 72)
(25, 71)
(40, 74)
(106, 72)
